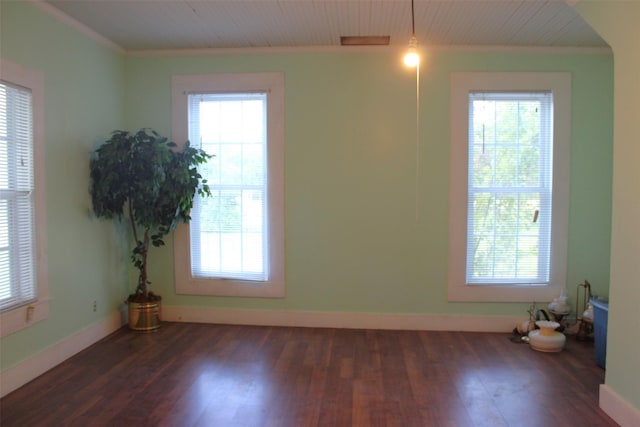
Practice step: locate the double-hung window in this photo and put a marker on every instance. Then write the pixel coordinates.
(234, 242)
(229, 235)
(23, 281)
(509, 189)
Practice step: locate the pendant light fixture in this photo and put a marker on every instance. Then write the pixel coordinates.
(412, 58)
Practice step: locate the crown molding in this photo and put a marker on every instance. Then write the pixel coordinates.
(291, 50)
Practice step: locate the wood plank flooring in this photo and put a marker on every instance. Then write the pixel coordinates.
(217, 375)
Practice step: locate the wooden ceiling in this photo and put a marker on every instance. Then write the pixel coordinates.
(136, 25)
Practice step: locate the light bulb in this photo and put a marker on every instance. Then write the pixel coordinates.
(412, 58)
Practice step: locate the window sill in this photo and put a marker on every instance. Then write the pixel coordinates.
(22, 317)
(230, 288)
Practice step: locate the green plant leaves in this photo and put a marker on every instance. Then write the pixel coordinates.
(144, 178)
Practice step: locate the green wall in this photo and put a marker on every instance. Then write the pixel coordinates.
(363, 233)
(366, 202)
(617, 23)
(84, 98)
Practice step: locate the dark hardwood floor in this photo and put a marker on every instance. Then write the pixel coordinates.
(217, 375)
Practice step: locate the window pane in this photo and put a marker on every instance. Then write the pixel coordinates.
(483, 165)
(529, 166)
(506, 122)
(483, 211)
(230, 164)
(253, 164)
(506, 166)
(5, 275)
(527, 256)
(4, 224)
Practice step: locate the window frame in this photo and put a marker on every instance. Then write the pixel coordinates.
(273, 85)
(20, 317)
(461, 85)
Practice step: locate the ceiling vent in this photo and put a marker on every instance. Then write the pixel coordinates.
(365, 40)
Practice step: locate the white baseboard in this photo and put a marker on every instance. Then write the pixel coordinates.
(27, 370)
(617, 408)
(320, 319)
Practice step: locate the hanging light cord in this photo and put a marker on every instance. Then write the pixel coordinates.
(412, 43)
(413, 21)
(417, 195)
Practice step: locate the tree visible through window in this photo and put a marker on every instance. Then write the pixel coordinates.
(510, 187)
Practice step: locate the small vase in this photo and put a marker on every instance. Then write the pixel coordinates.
(546, 338)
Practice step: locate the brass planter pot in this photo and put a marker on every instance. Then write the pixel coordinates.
(144, 316)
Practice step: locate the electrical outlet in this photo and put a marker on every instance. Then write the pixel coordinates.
(95, 306)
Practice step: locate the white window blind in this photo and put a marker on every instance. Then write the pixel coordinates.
(17, 236)
(510, 168)
(229, 236)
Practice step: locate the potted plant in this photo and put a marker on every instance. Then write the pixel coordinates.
(148, 181)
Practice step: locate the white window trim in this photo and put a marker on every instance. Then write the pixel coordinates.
(21, 317)
(461, 85)
(273, 84)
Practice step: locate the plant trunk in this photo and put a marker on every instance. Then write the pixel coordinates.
(142, 281)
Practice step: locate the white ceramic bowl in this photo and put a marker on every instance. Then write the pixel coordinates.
(547, 339)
